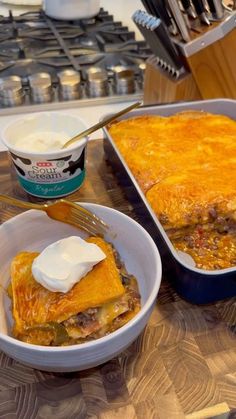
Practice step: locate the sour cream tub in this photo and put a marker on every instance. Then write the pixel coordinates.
(47, 174)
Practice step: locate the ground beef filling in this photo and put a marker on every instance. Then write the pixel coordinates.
(212, 246)
(90, 324)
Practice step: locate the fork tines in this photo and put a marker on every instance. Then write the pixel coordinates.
(87, 221)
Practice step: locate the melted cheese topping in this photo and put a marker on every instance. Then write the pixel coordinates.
(186, 166)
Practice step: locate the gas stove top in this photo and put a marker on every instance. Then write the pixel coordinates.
(44, 60)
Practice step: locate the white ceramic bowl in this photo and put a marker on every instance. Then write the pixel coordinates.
(33, 231)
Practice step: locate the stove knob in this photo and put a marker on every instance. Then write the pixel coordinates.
(97, 82)
(69, 85)
(11, 91)
(40, 87)
(124, 80)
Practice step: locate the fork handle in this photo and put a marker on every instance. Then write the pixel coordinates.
(18, 203)
(101, 124)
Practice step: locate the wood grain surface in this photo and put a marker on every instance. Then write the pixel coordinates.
(182, 366)
(214, 68)
(161, 88)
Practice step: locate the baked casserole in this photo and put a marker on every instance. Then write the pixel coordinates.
(186, 166)
(103, 301)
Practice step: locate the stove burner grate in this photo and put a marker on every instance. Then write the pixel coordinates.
(32, 43)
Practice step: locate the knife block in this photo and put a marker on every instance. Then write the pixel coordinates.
(214, 68)
(160, 87)
(211, 74)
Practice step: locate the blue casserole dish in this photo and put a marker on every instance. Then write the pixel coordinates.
(198, 286)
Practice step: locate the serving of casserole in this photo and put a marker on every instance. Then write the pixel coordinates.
(185, 164)
(103, 301)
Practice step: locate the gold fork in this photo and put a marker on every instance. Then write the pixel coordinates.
(65, 211)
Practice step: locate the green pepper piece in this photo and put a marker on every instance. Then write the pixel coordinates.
(60, 332)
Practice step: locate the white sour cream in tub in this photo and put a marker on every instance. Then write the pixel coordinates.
(42, 141)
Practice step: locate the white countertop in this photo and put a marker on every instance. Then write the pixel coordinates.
(122, 10)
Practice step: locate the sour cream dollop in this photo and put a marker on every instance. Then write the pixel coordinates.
(64, 263)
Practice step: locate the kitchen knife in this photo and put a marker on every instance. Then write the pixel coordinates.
(162, 13)
(148, 7)
(216, 9)
(200, 10)
(188, 8)
(205, 5)
(157, 37)
(179, 19)
(162, 34)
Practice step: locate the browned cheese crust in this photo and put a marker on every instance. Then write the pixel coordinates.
(186, 166)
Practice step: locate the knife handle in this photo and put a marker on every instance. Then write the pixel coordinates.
(200, 10)
(148, 7)
(187, 6)
(179, 19)
(162, 12)
(216, 8)
(199, 7)
(165, 16)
